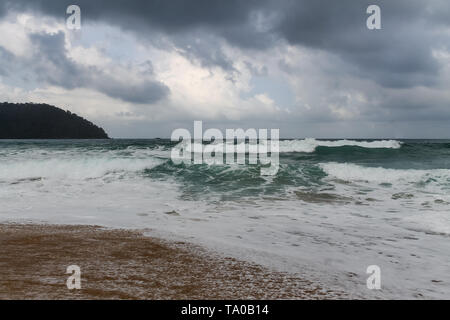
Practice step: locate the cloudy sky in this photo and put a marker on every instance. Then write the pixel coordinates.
(310, 68)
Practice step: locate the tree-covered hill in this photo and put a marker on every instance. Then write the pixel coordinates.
(42, 121)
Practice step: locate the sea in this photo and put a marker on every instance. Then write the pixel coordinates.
(333, 209)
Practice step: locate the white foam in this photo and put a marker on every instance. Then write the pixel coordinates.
(310, 144)
(307, 145)
(73, 166)
(227, 147)
(353, 172)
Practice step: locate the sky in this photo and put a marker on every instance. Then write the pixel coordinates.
(141, 69)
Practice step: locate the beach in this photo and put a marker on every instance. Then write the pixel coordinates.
(335, 209)
(125, 264)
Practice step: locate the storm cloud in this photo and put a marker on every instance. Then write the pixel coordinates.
(330, 65)
(398, 55)
(51, 65)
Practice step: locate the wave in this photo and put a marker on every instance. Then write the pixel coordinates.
(74, 168)
(307, 145)
(353, 172)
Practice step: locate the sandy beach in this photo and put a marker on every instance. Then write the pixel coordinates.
(124, 264)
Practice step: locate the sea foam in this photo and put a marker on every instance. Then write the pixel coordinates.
(307, 145)
(354, 172)
(73, 168)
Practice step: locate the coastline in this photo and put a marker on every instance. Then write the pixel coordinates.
(125, 264)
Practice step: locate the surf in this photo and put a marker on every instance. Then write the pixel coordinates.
(310, 145)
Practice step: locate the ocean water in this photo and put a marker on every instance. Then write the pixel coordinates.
(334, 207)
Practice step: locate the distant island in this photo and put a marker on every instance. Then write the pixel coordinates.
(43, 121)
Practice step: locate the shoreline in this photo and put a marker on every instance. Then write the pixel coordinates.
(125, 264)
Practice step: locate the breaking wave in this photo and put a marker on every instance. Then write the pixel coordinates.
(354, 172)
(308, 145)
(75, 168)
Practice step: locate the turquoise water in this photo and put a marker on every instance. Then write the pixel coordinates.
(297, 169)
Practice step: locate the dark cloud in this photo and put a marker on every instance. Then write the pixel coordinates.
(170, 16)
(183, 20)
(206, 49)
(52, 66)
(405, 78)
(145, 92)
(399, 55)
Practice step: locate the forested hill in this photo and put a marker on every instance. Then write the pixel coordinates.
(42, 121)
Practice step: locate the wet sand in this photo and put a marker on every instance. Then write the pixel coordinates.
(124, 264)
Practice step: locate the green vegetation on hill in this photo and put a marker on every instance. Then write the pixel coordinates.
(43, 121)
